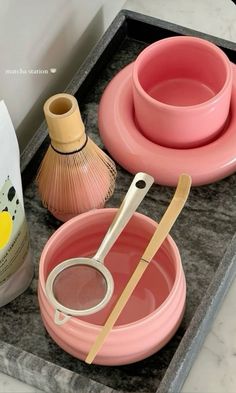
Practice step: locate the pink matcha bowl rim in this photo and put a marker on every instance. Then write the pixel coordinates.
(211, 46)
(139, 322)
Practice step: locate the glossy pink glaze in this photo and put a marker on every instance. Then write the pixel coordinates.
(134, 152)
(152, 314)
(181, 91)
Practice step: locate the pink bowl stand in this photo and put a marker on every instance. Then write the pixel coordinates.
(134, 152)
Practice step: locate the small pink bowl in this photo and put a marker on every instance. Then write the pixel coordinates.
(153, 313)
(182, 91)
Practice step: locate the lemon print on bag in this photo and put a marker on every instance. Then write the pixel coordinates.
(6, 225)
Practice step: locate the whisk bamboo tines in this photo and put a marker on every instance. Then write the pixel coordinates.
(75, 175)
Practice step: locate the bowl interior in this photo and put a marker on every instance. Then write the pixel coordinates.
(82, 238)
(182, 72)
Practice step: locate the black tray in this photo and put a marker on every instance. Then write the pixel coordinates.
(204, 234)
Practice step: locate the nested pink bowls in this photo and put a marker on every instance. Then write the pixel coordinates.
(182, 91)
(153, 313)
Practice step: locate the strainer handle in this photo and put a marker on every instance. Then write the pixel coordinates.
(137, 191)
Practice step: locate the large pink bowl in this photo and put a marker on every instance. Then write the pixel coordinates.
(153, 313)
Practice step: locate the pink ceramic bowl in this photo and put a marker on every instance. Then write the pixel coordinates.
(182, 91)
(153, 313)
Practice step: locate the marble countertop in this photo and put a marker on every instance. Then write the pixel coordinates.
(213, 370)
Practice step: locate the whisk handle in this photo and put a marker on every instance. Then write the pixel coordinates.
(137, 191)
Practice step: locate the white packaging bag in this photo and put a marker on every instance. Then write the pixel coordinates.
(16, 268)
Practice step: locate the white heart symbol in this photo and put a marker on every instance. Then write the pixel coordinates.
(53, 70)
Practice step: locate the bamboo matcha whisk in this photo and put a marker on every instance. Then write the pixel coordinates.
(75, 175)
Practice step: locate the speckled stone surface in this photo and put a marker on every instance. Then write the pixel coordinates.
(202, 233)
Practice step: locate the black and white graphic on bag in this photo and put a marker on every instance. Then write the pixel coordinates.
(14, 242)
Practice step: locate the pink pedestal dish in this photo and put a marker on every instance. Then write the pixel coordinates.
(153, 313)
(134, 152)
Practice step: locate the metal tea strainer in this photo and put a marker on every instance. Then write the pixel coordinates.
(83, 286)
